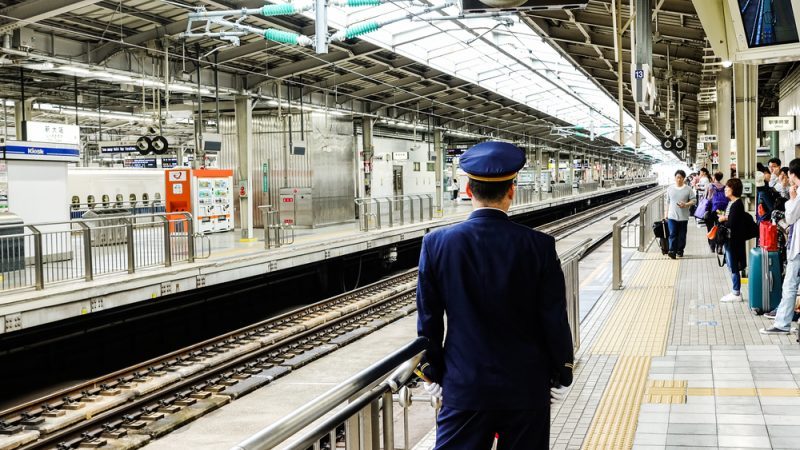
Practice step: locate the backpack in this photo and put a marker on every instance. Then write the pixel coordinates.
(718, 201)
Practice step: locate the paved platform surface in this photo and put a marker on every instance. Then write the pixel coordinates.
(665, 365)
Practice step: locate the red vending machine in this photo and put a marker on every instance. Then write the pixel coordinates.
(205, 193)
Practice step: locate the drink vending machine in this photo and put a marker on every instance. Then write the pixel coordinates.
(205, 193)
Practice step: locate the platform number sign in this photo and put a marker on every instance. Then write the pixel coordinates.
(638, 74)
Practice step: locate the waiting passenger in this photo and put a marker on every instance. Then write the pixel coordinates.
(492, 279)
(715, 193)
(680, 198)
(740, 226)
(784, 183)
(774, 165)
(785, 311)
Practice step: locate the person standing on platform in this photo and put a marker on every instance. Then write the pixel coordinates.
(680, 197)
(739, 222)
(785, 311)
(774, 166)
(508, 350)
(454, 189)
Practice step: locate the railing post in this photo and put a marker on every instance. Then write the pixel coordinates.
(388, 421)
(378, 214)
(38, 259)
(167, 243)
(190, 236)
(411, 206)
(402, 211)
(88, 264)
(351, 433)
(616, 254)
(642, 229)
(430, 207)
(131, 246)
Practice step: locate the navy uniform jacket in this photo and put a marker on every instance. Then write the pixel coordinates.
(501, 287)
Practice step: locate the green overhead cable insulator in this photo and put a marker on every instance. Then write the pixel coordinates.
(278, 10)
(284, 37)
(357, 3)
(363, 28)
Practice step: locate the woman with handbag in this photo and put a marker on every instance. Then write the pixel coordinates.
(740, 227)
(717, 203)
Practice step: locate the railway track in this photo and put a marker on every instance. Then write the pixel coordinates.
(127, 408)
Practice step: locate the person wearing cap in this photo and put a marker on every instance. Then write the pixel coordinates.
(507, 352)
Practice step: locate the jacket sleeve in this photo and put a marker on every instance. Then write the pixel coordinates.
(430, 316)
(792, 211)
(738, 222)
(554, 323)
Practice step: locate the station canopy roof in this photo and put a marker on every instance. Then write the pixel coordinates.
(488, 75)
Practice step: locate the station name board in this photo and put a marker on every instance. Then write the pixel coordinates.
(778, 123)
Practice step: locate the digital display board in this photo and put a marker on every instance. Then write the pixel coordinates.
(768, 22)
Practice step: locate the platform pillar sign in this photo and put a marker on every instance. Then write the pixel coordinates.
(265, 177)
(243, 111)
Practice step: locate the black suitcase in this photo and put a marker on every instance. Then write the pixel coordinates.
(664, 244)
(660, 231)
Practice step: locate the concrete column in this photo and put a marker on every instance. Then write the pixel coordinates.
(369, 152)
(438, 149)
(711, 128)
(538, 171)
(723, 122)
(244, 139)
(745, 80)
(570, 168)
(774, 149)
(22, 113)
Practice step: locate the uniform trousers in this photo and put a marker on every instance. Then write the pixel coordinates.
(526, 429)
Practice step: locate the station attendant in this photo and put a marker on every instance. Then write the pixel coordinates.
(508, 349)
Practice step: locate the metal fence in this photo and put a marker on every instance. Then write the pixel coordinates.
(77, 210)
(387, 212)
(365, 402)
(525, 193)
(276, 234)
(560, 190)
(588, 187)
(37, 255)
(653, 211)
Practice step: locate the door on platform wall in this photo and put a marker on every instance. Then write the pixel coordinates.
(796, 152)
(397, 183)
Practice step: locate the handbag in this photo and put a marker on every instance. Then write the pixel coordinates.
(702, 208)
(712, 234)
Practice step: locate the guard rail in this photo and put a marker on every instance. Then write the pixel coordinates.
(41, 254)
(387, 212)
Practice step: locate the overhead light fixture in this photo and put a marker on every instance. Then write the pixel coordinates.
(726, 64)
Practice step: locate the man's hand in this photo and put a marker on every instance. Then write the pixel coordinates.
(558, 394)
(434, 389)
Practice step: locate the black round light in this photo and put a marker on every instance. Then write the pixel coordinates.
(160, 145)
(144, 145)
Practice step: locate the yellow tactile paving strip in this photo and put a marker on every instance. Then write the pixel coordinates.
(614, 424)
(636, 330)
(666, 391)
(639, 322)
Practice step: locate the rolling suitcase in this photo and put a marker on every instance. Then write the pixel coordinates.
(660, 231)
(764, 284)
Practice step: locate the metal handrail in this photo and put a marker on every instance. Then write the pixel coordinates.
(403, 359)
(79, 249)
(365, 205)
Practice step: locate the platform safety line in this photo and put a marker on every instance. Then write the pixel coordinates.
(636, 329)
(614, 423)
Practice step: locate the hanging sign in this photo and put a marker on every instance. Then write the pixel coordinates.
(778, 123)
(56, 133)
(705, 138)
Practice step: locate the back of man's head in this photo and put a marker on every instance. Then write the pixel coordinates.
(794, 167)
(490, 191)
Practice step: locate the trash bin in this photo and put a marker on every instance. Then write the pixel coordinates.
(12, 243)
(111, 230)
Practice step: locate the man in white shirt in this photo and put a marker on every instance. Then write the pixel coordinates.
(785, 312)
(775, 172)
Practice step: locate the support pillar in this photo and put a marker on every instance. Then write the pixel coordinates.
(22, 112)
(244, 139)
(438, 149)
(745, 80)
(538, 173)
(369, 152)
(774, 148)
(570, 168)
(723, 122)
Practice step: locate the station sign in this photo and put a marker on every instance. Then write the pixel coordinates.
(400, 156)
(706, 138)
(778, 123)
(56, 133)
(117, 147)
(41, 151)
(140, 163)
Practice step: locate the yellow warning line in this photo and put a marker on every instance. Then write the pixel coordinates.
(636, 330)
(614, 423)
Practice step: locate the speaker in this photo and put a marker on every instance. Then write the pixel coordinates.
(160, 145)
(144, 145)
(667, 144)
(680, 143)
(668, 134)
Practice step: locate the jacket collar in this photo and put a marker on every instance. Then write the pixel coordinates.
(489, 213)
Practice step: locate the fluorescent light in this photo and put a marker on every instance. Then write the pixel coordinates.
(727, 63)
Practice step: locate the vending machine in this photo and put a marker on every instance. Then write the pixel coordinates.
(206, 193)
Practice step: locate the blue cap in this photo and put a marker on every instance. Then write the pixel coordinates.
(492, 161)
